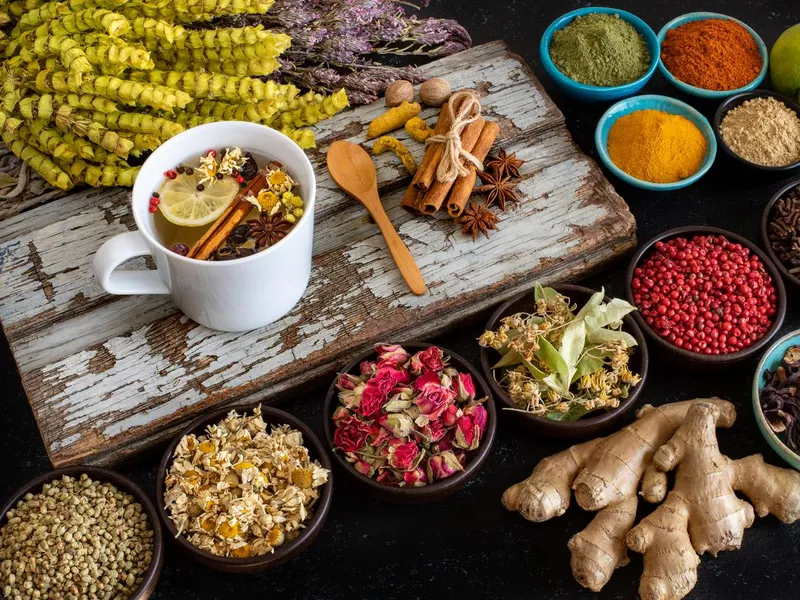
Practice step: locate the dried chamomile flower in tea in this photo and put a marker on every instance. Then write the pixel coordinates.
(224, 206)
(239, 490)
(562, 363)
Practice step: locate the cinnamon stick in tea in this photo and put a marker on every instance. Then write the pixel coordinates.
(462, 188)
(438, 191)
(426, 172)
(227, 221)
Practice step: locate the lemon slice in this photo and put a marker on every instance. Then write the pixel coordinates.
(184, 205)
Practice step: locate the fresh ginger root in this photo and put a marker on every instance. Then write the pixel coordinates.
(702, 512)
(605, 475)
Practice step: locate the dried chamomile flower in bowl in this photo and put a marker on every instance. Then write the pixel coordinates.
(244, 490)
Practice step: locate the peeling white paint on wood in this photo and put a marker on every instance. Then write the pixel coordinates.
(107, 376)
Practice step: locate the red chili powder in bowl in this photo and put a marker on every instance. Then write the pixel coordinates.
(715, 54)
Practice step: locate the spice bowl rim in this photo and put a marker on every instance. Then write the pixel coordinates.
(654, 102)
(596, 92)
(438, 489)
(586, 426)
(701, 92)
(781, 449)
(729, 104)
(124, 484)
(793, 280)
(696, 358)
(285, 552)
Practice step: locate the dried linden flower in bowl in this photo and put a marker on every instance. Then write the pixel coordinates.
(240, 491)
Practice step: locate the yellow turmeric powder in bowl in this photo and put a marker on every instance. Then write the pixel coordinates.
(656, 146)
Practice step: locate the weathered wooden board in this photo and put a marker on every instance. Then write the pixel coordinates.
(109, 375)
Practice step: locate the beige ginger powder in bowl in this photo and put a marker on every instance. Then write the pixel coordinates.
(763, 129)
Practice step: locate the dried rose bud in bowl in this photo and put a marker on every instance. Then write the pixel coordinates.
(411, 422)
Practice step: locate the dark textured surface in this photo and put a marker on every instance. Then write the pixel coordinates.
(467, 545)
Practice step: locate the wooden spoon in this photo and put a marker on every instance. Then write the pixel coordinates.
(353, 170)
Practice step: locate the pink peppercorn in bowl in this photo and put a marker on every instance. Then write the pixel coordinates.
(471, 391)
(707, 317)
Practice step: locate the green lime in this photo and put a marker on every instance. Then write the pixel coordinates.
(784, 62)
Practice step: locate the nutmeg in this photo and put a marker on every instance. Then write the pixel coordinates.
(398, 92)
(434, 92)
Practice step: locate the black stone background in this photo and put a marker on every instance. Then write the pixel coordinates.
(467, 545)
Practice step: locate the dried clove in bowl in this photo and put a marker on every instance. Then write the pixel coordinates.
(783, 230)
(780, 398)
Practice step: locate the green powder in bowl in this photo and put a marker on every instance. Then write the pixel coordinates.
(600, 49)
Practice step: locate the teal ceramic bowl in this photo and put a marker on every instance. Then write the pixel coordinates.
(700, 92)
(771, 360)
(665, 104)
(593, 93)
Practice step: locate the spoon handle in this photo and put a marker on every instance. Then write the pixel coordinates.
(400, 252)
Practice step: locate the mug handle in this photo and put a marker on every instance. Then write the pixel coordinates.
(115, 252)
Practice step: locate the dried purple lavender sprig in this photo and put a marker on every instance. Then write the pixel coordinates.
(339, 43)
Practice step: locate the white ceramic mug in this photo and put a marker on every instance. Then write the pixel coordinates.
(235, 295)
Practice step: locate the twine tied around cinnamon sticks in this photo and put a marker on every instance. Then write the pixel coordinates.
(466, 137)
(454, 155)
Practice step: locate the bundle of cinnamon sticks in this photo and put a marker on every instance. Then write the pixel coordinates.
(427, 194)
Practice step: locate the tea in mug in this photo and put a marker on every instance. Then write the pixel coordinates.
(224, 206)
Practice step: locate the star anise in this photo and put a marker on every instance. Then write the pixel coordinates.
(268, 230)
(500, 190)
(477, 218)
(504, 164)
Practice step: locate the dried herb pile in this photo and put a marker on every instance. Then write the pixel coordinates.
(780, 398)
(408, 420)
(562, 363)
(239, 490)
(354, 43)
(89, 84)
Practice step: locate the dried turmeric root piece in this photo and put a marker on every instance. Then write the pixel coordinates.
(418, 129)
(391, 144)
(392, 119)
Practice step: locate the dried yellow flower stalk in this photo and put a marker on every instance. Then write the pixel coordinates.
(241, 491)
(38, 161)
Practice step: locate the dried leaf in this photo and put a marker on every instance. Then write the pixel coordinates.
(607, 313)
(573, 414)
(6, 180)
(586, 366)
(511, 358)
(593, 302)
(572, 343)
(602, 335)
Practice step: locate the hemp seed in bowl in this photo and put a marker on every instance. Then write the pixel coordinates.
(76, 539)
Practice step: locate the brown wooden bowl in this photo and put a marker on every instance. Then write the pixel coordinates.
(696, 360)
(792, 280)
(282, 554)
(438, 489)
(151, 576)
(589, 426)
